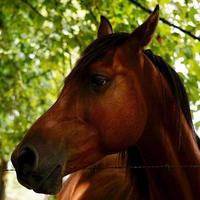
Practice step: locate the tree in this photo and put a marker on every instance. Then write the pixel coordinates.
(41, 39)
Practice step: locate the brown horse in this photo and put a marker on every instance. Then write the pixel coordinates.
(118, 99)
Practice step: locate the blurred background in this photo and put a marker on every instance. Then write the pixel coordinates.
(40, 40)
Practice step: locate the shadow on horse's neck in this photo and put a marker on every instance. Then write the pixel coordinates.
(158, 149)
(166, 142)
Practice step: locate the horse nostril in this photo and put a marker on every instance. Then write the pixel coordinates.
(27, 161)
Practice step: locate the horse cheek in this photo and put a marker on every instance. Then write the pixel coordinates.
(119, 121)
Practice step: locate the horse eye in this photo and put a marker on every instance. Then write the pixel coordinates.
(98, 81)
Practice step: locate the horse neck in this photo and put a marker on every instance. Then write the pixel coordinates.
(164, 143)
(159, 148)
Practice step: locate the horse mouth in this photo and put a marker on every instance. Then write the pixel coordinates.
(50, 184)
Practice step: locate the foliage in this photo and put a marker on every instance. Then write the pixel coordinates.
(52, 198)
(41, 39)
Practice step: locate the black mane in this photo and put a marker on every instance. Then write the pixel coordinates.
(176, 86)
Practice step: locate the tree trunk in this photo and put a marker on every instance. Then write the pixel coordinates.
(3, 165)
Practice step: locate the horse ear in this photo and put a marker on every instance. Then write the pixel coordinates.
(105, 27)
(144, 33)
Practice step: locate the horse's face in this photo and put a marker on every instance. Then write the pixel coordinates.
(101, 110)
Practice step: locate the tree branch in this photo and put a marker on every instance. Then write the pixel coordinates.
(165, 21)
(33, 8)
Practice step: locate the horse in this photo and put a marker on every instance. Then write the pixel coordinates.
(121, 127)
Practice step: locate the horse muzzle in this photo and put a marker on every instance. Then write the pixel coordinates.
(33, 173)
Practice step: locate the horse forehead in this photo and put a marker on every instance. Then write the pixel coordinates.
(105, 61)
